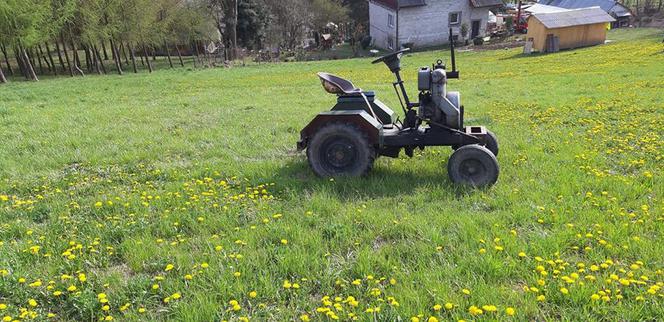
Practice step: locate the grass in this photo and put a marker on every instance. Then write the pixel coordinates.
(176, 195)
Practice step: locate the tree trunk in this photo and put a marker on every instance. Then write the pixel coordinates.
(62, 62)
(124, 53)
(64, 49)
(28, 64)
(2, 76)
(133, 58)
(20, 63)
(31, 57)
(179, 55)
(43, 55)
(9, 66)
(103, 48)
(33, 54)
(116, 57)
(168, 54)
(147, 58)
(101, 62)
(77, 59)
(196, 51)
(50, 58)
(88, 61)
(154, 54)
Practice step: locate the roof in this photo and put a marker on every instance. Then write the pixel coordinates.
(486, 3)
(394, 4)
(542, 8)
(576, 17)
(609, 6)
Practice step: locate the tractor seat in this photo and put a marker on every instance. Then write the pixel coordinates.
(337, 85)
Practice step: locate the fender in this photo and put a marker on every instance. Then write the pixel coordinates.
(359, 118)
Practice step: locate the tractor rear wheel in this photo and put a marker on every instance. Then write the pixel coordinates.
(473, 165)
(340, 149)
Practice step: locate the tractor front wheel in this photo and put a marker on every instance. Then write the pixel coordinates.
(473, 165)
(340, 149)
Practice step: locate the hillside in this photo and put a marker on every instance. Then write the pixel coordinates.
(179, 195)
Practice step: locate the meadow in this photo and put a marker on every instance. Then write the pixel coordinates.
(179, 195)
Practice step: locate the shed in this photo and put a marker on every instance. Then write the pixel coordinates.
(572, 28)
(617, 10)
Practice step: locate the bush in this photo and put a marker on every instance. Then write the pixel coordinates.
(365, 42)
(478, 41)
(410, 45)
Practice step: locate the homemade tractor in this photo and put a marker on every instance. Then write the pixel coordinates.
(346, 140)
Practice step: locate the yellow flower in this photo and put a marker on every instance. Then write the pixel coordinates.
(414, 319)
(176, 295)
(449, 306)
(169, 267)
(3, 306)
(522, 254)
(474, 310)
(205, 265)
(432, 319)
(32, 302)
(237, 274)
(155, 286)
(437, 307)
(305, 318)
(564, 290)
(510, 311)
(284, 241)
(141, 310)
(7, 318)
(490, 308)
(253, 294)
(82, 278)
(541, 298)
(287, 284)
(356, 282)
(466, 291)
(71, 288)
(188, 277)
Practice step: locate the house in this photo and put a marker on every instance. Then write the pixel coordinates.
(568, 29)
(620, 12)
(422, 23)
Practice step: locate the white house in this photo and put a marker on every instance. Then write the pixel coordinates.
(426, 22)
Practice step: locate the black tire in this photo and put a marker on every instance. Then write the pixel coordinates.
(491, 142)
(473, 165)
(340, 149)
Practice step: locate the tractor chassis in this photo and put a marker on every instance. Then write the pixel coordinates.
(394, 140)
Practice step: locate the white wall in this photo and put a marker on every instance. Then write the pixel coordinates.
(379, 29)
(429, 25)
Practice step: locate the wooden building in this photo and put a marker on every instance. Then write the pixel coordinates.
(568, 29)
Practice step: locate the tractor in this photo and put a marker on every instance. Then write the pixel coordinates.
(346, 140)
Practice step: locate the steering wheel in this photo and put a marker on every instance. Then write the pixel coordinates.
(391, 56)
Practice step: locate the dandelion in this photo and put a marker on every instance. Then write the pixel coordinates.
(3, 306)
(72, 288)
(437, 307)
(253, 294)
(564, 290)
(510, 311)
(466, 291)
(474, 310)
(449, 306)
(237, 274)
(32, 302)
(284, 241)
(541, 298)
(169, 267)
(141, 310)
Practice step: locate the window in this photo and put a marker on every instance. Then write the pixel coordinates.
(455, 18)
(390, 20)
(390, 42)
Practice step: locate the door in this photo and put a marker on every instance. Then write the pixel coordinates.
(475, 29)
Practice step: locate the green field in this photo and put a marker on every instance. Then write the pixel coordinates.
(180, 195)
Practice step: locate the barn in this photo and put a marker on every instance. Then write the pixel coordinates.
(552, 31)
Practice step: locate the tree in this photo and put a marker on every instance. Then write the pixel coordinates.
(253, 20)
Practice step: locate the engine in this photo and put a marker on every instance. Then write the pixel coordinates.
(436, 103)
